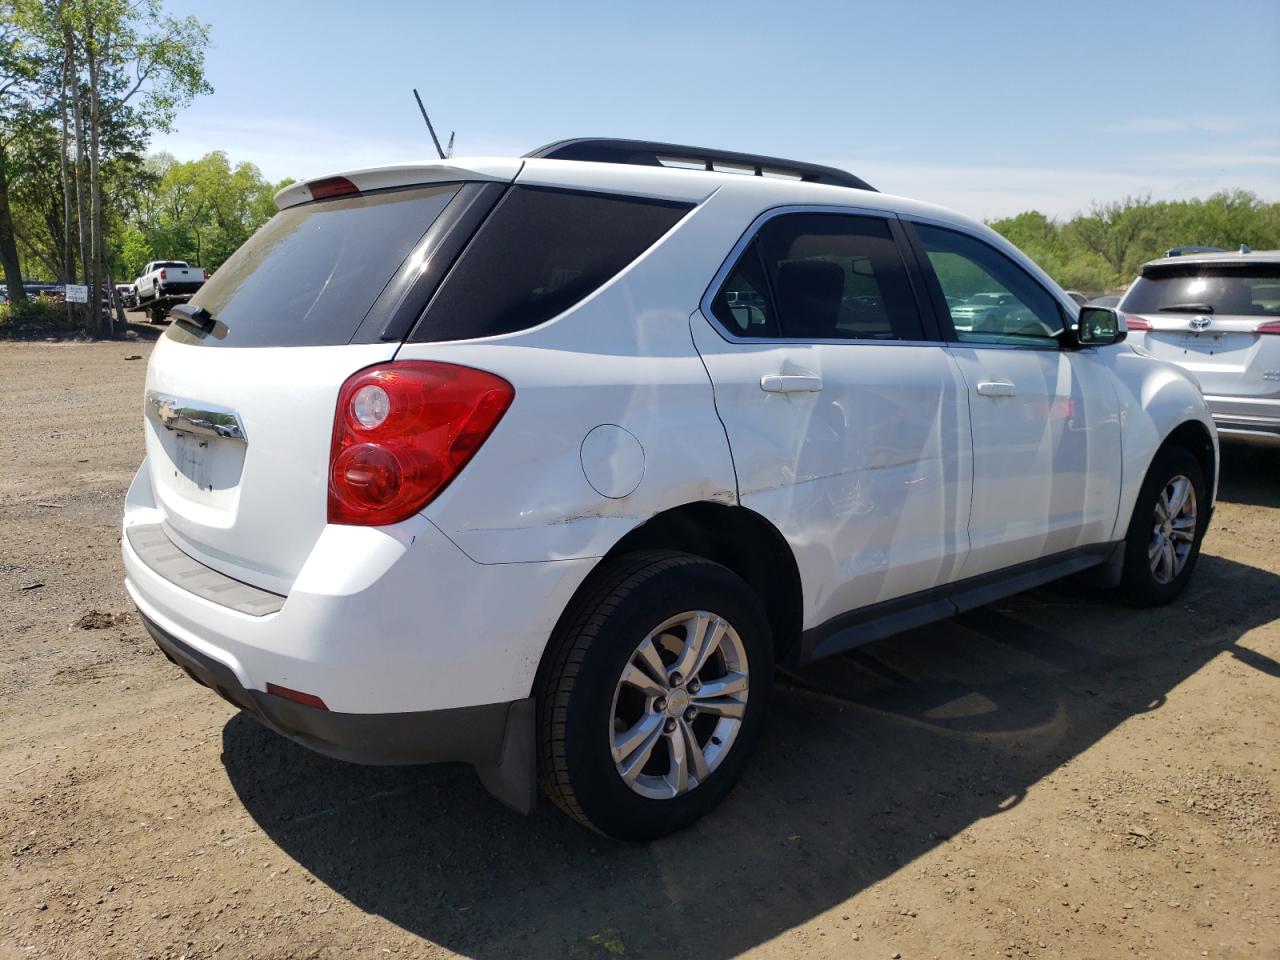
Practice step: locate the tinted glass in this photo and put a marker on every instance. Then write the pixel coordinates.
(821, 276)
(743, 304)
(991, 299)
(310, 275)
(540, 252)
(1252, 291)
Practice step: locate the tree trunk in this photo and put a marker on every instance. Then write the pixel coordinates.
(67, 245)
(114, 294)
(68, 255)
(8, 241)
(82, 198)
(101, 318)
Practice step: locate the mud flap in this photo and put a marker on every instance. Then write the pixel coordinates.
(1108, 574)
(513, 779)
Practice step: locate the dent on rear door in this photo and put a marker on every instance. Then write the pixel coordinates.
(869, 479)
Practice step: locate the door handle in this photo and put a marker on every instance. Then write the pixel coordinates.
(791, 383)
(996, 388)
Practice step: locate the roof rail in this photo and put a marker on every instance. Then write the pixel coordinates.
(648, 153)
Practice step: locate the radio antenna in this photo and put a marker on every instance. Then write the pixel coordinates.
(430, 128)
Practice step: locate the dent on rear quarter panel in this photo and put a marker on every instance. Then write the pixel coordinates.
(623, 356)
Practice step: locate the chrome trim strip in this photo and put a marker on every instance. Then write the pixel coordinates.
(187, 416)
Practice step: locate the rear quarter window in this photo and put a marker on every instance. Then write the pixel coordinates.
(540, 252)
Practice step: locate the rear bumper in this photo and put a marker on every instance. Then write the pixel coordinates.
(466, 734)
(1247, 419)
(379, 620)
(178, 288)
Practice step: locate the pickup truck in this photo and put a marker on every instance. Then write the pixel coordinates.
(165, 283)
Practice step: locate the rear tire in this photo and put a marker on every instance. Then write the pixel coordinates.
(155, 315)
(617, 720)
(1161, 550)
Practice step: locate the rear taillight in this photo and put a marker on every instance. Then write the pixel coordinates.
(164, 275)
(1271, 326)
(1135, 323)
(403, 431)
(206, 274)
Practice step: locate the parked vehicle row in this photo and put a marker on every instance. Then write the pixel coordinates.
(542, 464)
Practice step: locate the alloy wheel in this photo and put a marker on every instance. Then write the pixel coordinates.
(1174, 530)
(679, 705)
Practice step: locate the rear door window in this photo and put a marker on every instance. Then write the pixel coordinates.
(540, 252)
(1245, 290)
(820, 276)
(312, 273)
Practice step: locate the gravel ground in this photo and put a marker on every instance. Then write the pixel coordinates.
(1051, 776)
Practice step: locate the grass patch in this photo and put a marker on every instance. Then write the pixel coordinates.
(38, 318)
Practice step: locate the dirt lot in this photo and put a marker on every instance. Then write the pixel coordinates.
(1053, 776)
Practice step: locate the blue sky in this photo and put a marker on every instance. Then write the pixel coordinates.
(990, 108)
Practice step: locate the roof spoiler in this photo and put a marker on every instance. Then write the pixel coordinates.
(648, 153)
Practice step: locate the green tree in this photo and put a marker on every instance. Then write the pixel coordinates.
(104, 75)
(1104, 248)
(200, 210)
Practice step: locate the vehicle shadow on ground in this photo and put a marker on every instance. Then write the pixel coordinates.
(869, 760)
(1250, 475)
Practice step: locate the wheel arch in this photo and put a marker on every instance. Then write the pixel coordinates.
(1194, 437)
(733, 536)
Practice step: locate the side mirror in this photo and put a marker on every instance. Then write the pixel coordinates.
(1099, 326)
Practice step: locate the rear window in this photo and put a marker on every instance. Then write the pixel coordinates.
(1245, 290)
(312, 273)
(540, 252)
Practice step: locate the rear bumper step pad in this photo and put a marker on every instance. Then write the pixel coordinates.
(157, 551)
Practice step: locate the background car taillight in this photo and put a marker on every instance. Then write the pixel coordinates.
(403, 431)
(1135, 323)
(164, 275)
(206, 274)
(1271, 326)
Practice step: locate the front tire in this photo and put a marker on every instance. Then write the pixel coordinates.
(1165, 532)
(653, 694)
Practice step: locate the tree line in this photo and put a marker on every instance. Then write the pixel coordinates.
(84, 85)
(1103, 249)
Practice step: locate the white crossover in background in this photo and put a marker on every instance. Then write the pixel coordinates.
(542, 464)
(1218, 316)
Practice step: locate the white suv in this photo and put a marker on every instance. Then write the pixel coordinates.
(542, 464)
(1218, 315)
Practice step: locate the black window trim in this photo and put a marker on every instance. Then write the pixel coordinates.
(924, 309)
(929, 279)
(404, 299)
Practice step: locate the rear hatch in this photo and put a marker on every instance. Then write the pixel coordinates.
(1220, 319)
(241, 391)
